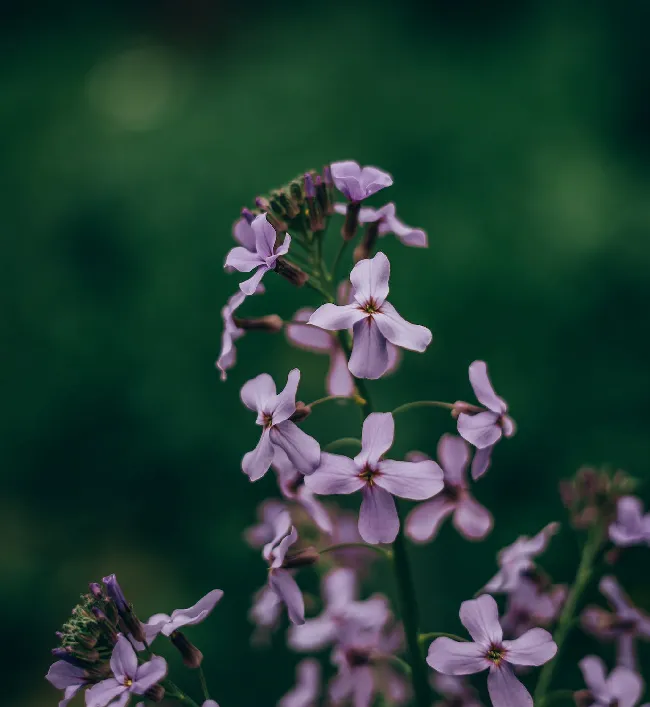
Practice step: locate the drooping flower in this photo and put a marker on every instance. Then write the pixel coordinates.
(168, 625)
(624, 624)
(273, 413)
(377, 478)
(530, 605)
(66, 677)
(631, 527)
(456, 690)
(128, 679)
(623, 687)
(483, 428)
(307, 689)
(263, 532)
(258, 251)
(389, 223)
(373, 320)
(357, 183)
(265, 614)
(471, 519)
(517, 558)
(489, 651)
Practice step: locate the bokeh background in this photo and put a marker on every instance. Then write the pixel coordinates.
(518, 134)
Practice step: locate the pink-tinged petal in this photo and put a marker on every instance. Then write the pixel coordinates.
(242, 260)
(244, 235)
(400, 332)
(480, 381)
(625, 686)
(313, 635)
(340, 588)
(593, 672)
(303, 451)
(416, 481)
(334, 317)
(535, 647)
(228, 354)
(282, 249)
(364, 686)
(506, 690)
(258, 392)
(481, 462)
(453, 455)
(376, 438)
(373, 179)
(249, 287)
(266, 608)
(306, 336)
(69, 693)
(424, 521)
(307, 688)
(612, 590)
(482, 430)
(284, 585)
(336, 474)
(279, 551)
(149, 674)
(378, 519)
(257, 462)
(265, 236)
(481, 619)
(283, 405)
(508, 426)
(195, 614)
(414, 237)
(124, 661)
(629, 526)
(104, 692)
(122, 700)
(346, 177)
(339, 380)
(152, 629)
(315, 510)
(369, 357)
(61, 675)
(394, 357)
(472, 520)
(369, 279)
(456, 658)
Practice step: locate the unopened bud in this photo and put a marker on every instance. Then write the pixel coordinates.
(277, 222)
(67, 655)
(96, 590)
(86, 640)
(291, 272)
(310, 189)
(351, 222)
(247, 215)
(289, 207)
(271, 322)
(192, 656)
(613, 556)
(302, 412)
(130, 620)
(295, 189)
(329, 189)
(461, 406)
(156, 693)
(583, 698)
(365, 248)
(308, 556)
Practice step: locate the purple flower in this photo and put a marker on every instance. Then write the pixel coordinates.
(265, 614)
(128, 679)
(483, 428)
(68, 678)
(374, 321)
(529, 605)
(273, 413)
(378, 479)
(307, 689)
(471, 519)
(258, 251)
(517, 558)
(231, 332)
(624, 625)
(456, 691)
(162, 623)
(622, 688)
(489, 651)
(631, 527)
(357, 183)
(389, 223)
(263, 532)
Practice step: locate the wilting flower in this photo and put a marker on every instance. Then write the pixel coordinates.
(517, 558)
(69, 678)
(631, 527)
(483, 428)
(377, 478)
(273, 413)
(490, 652)
(456, 691)
(624, 625)
(471, 519)
(257, 251)
(308, 685)
(357, 183)
(622, 688)
(128, 679)
(530, 605)
(374, 321)
(389, 223)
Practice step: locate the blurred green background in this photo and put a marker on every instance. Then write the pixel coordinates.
(518, 134)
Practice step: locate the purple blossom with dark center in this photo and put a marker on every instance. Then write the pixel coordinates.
(128, 679)
(377, 478)
(357, 183)
(489, 651)
(471, 519)
(456, 690)
(273, 413)
(307, 689)
(624, 624)
(631, 527)
(530, 605)
(68, 678)
(484, 428)
(257, 251)
(622, 688)
(374, 321)
(517, 558)
(389, 223)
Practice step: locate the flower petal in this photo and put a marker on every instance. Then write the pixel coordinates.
(456, 658)
(481, 618)
(124, 661)
(378, 519)
(593, 672)
(339, 380)
(62, 674)
(369, 357)
(336, 474)
(149, 674)
(279, 552)
(242, 259)
(307, 336)
(625, 686)
(195, 614)
(506, 690)
(283, 405)
(257, 462)
(373, 179)
(307, 688)
(416, 481)
(265, 236)
(376, 438)
(364, 686)
(313, 635)
(339, 588)
(69, 693)
(481, 430)
(284, 585)
(472, 520)
(400, 332)
(478, 377)
(250, 286)
(424, 521)
(303, 451)
(104, 692)
(334, 317)
(346, 177)
(481, 462)
(369, 278)
(453, 455)
(611, 589)
(244, 234)
(257, 392)
(535, 647)
(414, 237)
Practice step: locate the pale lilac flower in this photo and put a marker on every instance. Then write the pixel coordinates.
(377, 478)
(258, 251)
(490, 652)
(263, 532)
(623, 687)
(389, 223)
(624, 625)
(308, 685)
(517, 558)
(68, 678)
(128, 679)
(456, 690)
(483, 428)
(374, 321)
(529, 605)
(273, 413)
(631, 527)
(357, 183)
(210, 703)
(471, 519)
(231, 333)
(265, 614)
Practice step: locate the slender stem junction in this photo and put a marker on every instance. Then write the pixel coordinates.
(350, 398)
(342, 442)
(425, 638)
(422, 404)
(384, 552)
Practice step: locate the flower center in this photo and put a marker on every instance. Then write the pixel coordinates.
(267, 420)
(371, 307)
(495, 654)
(128, 682)
(368, 474)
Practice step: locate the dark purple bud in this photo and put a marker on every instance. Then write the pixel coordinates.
(310, 189)
(248, 215)
(115, 593)
(96, 590)
(365, 248)
(302, 412)
(327, 176)
(329, 190)
(155, 693)
(308, 556)
(291, 272)
(192, 656)
(271, 322)
(351, 222)
(68, 656)
(130, 620)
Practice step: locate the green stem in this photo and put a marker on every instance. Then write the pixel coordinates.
(366, 406)
(351, 398)
(422, 404)
(337, 258)
(385, 553)
(176, 693)
(425, 638)
(342, 442)
(583, 577)
(558, 696)
(204, 683)
(317, 288)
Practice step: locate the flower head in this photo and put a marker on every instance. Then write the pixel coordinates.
(377, 478)
(308, 686)
(489, 651)
(471, 519)
(373, 320)
(273, 413)
(389, 223)
(530, 605)
(631, 527)
(622, 688)
(357, 183)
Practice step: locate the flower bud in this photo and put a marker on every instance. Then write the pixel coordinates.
(124, 609)
(365, 248)
(291, 272)
(329, 189)
(96, 590)
(156, 693)
(278, 223)
(295, 189)
(192, 656)
(308, 556)
(247, 215)
(271, 322)
(583, 698)
(310, 189)
(302, 412)
(351, 222)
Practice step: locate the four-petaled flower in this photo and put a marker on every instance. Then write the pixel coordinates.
(68, 678)
(377, 478)
(307, 689)
(374, 321)
(273, 413)
(631, 527)
(357, 183)
(257, 251)
(622, 688)
(389, 223)
(471, 519)
(489, 651)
